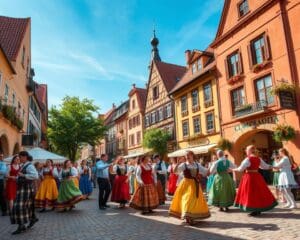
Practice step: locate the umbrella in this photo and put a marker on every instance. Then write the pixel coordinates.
(41, 155)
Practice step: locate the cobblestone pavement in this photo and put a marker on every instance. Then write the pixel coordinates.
(86, 221)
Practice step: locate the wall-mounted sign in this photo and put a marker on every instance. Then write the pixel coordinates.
(256, 122)
(287, 100)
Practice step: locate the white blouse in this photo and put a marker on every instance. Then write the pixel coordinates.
(138, 174)
(202, 170)
(246, 163)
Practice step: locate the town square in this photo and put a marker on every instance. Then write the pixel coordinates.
(150, 119)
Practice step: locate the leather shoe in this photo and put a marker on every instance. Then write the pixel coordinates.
(19, 230)
(32, 222)
(102, 208)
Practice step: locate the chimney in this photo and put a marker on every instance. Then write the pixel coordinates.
(113, 106)
(146, 85)
(187, 56)
(133, 86)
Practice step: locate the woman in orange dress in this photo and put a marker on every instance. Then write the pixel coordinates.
(11, 183)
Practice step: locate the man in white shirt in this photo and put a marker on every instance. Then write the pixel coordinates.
(161, 171)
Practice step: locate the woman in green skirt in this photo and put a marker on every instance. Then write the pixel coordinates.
(68, 194)
(222, 191)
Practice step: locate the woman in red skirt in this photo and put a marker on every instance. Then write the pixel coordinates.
(145, 197)
(253, 195)
(120, 190)
(11, 183)
(173, 178)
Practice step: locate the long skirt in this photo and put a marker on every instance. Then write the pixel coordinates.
(22, 211)
(68, 194)
(172, 183)
(186, 203)
(209, 183)
(76, 181)
(85, 185)
(11, 189)
(47, 193)
(253, 194)
(120, 190)
(222, 191)
(161, 192)
(145, 198)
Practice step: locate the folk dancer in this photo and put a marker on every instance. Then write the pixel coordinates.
(189, 202)
(23, 207)
(161, 171)
(11, 182)
(286, 180)
(253, 194)
(145, 198)
(120, 190)
(69, 194)
(85, 184)
(47, 193)
(222, 191)
(173, 177)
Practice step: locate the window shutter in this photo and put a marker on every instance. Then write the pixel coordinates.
(267, 47)
(240, 63)
(226, 68)
(250, 56)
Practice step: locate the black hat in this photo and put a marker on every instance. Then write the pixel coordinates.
(24, 154)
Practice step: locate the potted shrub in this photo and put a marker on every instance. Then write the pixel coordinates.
(8, 112)
(283, 132)
(224, 144)
(19, 123)
(283, 87)
(244, 107)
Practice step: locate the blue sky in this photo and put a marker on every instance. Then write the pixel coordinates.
(99, 48)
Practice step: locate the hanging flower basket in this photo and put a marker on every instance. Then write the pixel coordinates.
(284, 132)
(283, 87)
(224, 144)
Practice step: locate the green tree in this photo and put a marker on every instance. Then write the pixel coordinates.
(156, 139)
(73, 125)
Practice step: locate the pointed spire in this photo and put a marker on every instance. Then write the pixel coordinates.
(154, 52)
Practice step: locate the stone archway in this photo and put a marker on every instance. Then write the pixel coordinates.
(16, 149)
(4, 145)
(261, 138)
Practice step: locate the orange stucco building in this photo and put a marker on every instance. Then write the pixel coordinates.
(257, 47)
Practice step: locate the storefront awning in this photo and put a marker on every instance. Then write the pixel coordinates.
(133, 155)
(195, 150)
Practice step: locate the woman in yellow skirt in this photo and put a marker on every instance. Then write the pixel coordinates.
(188, 202)
(47, 193)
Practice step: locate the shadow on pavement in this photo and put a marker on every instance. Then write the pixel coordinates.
(228, 225)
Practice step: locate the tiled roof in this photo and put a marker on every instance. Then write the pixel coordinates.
(41, 94)
(170, 73)
(8, 61)
(189, 77)
(12, 31)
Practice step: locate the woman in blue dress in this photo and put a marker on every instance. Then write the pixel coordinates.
(85, 184)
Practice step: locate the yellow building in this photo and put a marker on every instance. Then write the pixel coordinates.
(15, 81)
(196, 104)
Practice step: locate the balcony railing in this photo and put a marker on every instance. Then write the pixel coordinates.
(249, 109)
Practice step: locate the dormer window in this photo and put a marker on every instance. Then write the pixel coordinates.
(199, 65)
(155, 93)
(194, 68)
(243, 8)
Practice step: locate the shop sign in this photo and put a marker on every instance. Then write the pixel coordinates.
(256, 122)
(287, 100)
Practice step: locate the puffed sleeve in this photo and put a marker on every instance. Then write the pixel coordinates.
(245, 163)
(138, 175)
(264, 165)
(203, 171)
(115, 167)
(74, 172)
(181, 167)
(213, 168)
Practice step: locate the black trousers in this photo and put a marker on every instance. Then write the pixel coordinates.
(104, 191)
(3, 202)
